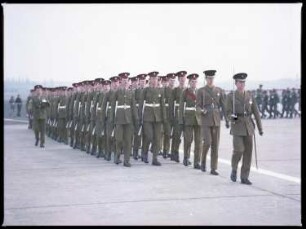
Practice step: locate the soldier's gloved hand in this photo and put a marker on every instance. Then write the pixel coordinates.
(227, 124)
(204, 111)
(261, 133)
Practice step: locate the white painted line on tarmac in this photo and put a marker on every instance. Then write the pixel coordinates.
(263, 171)
(15, 120)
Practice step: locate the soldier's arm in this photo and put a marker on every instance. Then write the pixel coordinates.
(199, 102)
(134, 110)
(141, 103)
(255, 111)
(229, 106)
(223, 104)
(181, 108)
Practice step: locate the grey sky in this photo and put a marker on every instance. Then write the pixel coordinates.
(78, 42)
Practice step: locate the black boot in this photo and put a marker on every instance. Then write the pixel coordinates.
(127, 164)
(203, 167)
(36, 142)
(145, 158)
(234, 175)
(176, 157)
(135, 154)
(214, 172)
(245, 181)
(196, 166)
(165, 155)
(156, 162)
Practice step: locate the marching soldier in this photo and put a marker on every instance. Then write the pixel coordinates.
(99, 133)
(137, 93)
(152, 114)
(107, 123)
(240, 106)
(292, 101)
(191, 121)
(77, 115)
(167, 91)
(83, 120)
(62, 115)
(265, 103)
(209, 99)
(177, 129)
(125, 118)
(69, 112)
(40, 105)
(273, 101)
(73, 114)
(29, 108)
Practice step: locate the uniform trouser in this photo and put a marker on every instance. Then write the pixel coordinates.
(211, 136)
(265, 108)
(137, 141)
(242, 147)
(167, 137)
(18, 110)
(152, 131)
(39, 130)
(109, 139)
(72, 132)
(62, 130)
(89, 134)
(189, 131)
(176, 139)
(273, 110)
(78, 133)
(124, 136)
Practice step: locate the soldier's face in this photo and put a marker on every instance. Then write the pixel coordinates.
(142, 83)
(171, 83)
(165, 83)
(240, 85)
(125, 83)
(209, 80)
(193, 84)
(182, 80)
(154, 81)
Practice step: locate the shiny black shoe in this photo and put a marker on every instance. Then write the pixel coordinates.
(36, 143)
(246, 181)
(118, 161)
(214, 172)
(234, 175)
(42, 146)
(156, 162)
(176, 158)
(197, 166)
(127, 164)
(145, 159)
(203, 168)
(164, 155)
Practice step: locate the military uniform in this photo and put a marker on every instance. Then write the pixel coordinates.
(29, 109)
(125, 118)
(89, 118)
(273, 101)
(177, 128)
(242, 129)
(62, 117)
(40, 105)
(152, 114)
(209, 100)
(191, 121)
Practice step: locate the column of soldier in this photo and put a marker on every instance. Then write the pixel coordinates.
(268, 100)
(134, 116)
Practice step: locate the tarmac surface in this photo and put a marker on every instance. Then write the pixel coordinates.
(57, 185)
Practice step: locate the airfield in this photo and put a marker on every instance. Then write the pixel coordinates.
(58, 185)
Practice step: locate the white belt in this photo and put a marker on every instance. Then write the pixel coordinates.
(166, 105)
(137, 105)
(99, 108)
(124, 106)
(176, 104)
(109, 107)
(61, 107)
(152, 104)
(190, 108)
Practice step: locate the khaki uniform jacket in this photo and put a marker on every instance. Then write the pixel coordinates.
(127, 115)
(244, 125)
(175, 102)
(107, 107)
(62, 107)
(187, 116)
(168, 93)
(154, 109)
(210, 99)
(40, 106)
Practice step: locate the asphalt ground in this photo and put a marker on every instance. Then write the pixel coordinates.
(57, 185)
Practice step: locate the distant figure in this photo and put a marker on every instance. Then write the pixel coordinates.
(18, 101)
(12, 105)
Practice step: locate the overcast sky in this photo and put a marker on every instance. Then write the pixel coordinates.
(78, 42)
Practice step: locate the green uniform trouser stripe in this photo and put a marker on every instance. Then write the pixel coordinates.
(243, 146)
(152, 132)
(167, 137)
(40, 129)
(176, 139)
(124, 137)
(211, 136)
(189, 131)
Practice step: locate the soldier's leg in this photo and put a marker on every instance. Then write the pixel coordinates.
(108, 133)
(207, 139)
(36, 131)
(42, 132)
(162, 135)
(148, 138)
(238, 149)
(214, 147)
(156, 141)
(127, 143)
(136, 145)
(166, 140)
(119, 131)
(175, 138)
(197, 146)
(247, 157)
(188, 138)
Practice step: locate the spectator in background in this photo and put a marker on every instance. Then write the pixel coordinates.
(12, 105)
(18, 101)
